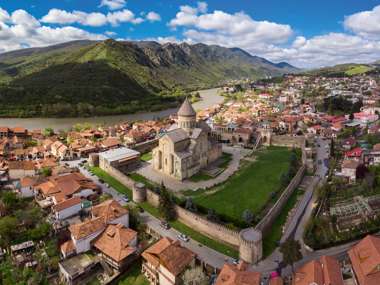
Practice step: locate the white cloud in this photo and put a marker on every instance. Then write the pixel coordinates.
(366, 23)
(110, 33)
(113, 4)
(20, 30)
(56, 16)
(153, 16)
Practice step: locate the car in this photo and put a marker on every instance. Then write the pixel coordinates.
(165, 225)
(319, 161)
(235, 261)
(125, 199)
(183, 237)
(107, 185)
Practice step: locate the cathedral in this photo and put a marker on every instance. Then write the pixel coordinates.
(187, 147)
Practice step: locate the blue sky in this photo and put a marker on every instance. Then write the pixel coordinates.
(302, 32)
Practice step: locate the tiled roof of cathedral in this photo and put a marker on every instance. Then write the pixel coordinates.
(186, 109)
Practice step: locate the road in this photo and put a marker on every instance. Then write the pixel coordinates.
(205, 254)
(302, 214)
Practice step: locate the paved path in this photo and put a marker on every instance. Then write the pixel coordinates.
(204, 253)
(176, 185)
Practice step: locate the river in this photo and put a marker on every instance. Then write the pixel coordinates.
(210, 97)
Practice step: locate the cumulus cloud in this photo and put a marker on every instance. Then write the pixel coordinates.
(20, 29)
(153, 16)
(57, 16)
(366, 23)
(113, 4)
(276, 41)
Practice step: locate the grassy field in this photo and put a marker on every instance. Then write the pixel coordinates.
(251, 187)
(114, 183)
(360, 69)
(271, 239)
(133, 276)
(146, 156)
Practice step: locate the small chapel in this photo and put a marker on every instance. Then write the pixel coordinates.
(187, 147)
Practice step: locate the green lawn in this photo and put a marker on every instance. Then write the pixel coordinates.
(251, 187)
(271, 239)
(146, 156)
(133, 276)
(114, 183)
(360, 69)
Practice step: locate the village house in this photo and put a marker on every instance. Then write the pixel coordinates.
(165, 262)
(21, 169)
(117, 245)
(349, 168)
(59, 150)
(67, 208)
(365, 260)
(325, 271)
(237, 275)
(110, 212)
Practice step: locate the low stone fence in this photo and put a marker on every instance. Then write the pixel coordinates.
(267, 221)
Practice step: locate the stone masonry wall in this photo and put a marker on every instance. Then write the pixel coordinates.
(266, 222)
(210, 229)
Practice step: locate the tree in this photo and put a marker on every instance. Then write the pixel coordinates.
(47, 132)
(361, 171)
(291, 251)
(195, 276)
(8, 230)
(332, 148)
(167, 205)
(248, 216)
(46, 171)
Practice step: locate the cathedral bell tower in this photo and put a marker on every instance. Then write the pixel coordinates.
(187, 116)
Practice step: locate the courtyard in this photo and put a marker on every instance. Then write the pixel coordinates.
(250, 188)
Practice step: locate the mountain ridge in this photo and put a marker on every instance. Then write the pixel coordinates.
(114, 77)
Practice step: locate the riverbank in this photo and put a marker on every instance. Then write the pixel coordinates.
(210, 97)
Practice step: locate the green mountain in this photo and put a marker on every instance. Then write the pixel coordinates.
(85, 78)
(340, 70)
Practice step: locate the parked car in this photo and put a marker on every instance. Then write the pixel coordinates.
(165, 225)
(235, 261)
(183, 237)
(125, 199)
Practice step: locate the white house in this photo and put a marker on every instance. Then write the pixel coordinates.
(21, 169)
(67, 208)
(349, 169)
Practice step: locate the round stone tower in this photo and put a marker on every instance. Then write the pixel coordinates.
(139, 193)
(250, 248)
(187, 117)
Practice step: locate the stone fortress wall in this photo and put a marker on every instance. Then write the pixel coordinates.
(248, 241)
